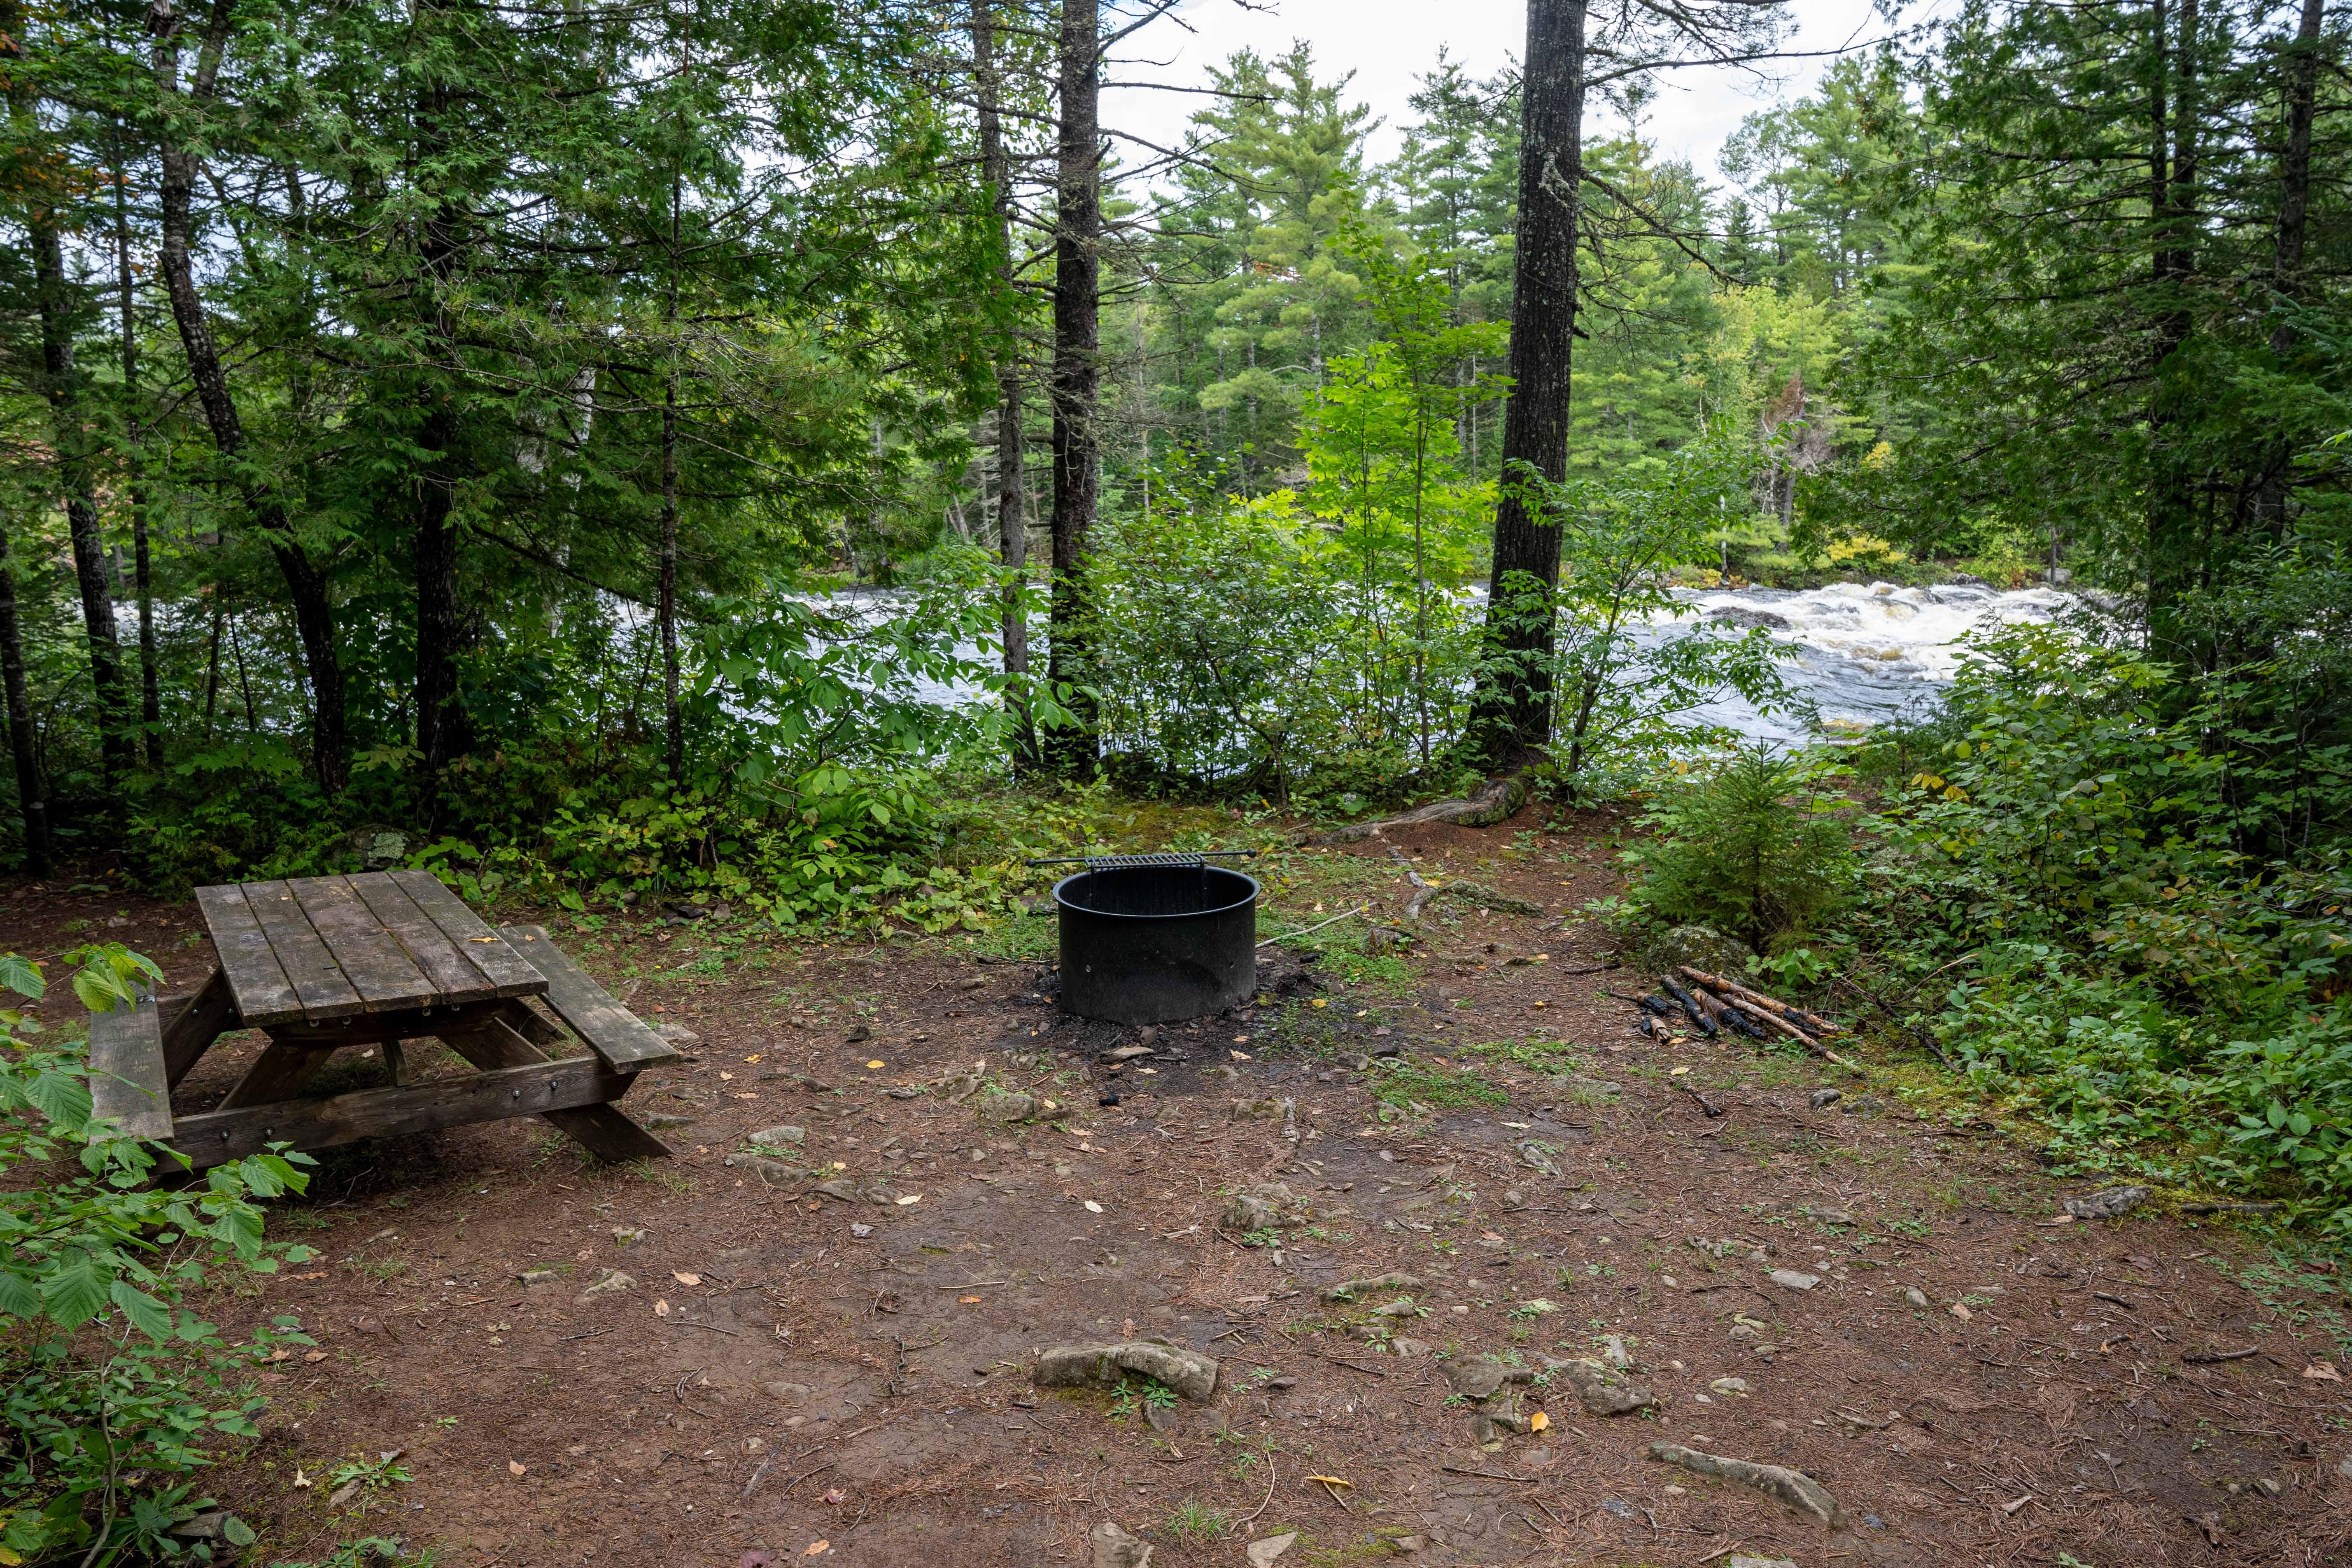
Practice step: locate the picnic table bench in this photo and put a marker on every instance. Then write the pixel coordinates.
(323, 964)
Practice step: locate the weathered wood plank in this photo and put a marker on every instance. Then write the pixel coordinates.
(191, 1024)
(374, 1028)
(525, 1020)
(127, 1080)
(508, 970)
(617, 1035)
(543, 1087)
(320, 983)
(454, 977)
(256, 980)
(371, 957)
(602, 1130)
(278, 1073)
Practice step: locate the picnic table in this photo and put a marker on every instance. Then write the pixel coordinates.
(324, 963)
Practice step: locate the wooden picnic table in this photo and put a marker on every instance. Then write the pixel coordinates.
(323, 964)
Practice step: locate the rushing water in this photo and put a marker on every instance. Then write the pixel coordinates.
(1862, 653)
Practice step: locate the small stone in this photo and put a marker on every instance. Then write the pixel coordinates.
(1480, 1376)
(1262, 1553)
(1791, 1280)
(1701, 947)
(779, 1137)
(537, 1276)
(625, 1234)
(2106, 1204)
(785, 1390)
(1761, 1562)
(1729, 1385)
(1613, 1350)
(1603, 1390)
(771, 1172)
(1535, 1158)
(1125, 1053)
(1826, 1097)
(1256, 1110)
(1917, 1296)
(856, 1033)
(1270, 1206)
(1008, 1107)
(611, 1282)
(1408, 1543)
(2344, 1466)
(1115, 1548)
(1406, 1347)
(1617, 1508)
(678, 1035)
(2267, 1487)
(661, 1119)
(1159, 1418)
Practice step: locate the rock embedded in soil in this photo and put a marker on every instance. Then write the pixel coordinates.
(1188, 1371)
(2106, 1204)
(771, 1172)
(1760, 1562)
(1603, 1390)
(1263, 1553)
(1700, 947)
(1481, 1376)
(1826, 1097)
(678, 1035)
(1115, 1548)
(1795, 1487)
(1348, 1289)
(1270, 1206)
(611, 1282)
(779, 1137)
(1792, 1280)
(1917, 1296)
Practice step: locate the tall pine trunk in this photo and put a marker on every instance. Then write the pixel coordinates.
(1012, 498)
(2176, 536)
(2294, 229)
(30, 806)
(1511, 710)
(70, 426)
(134, 457)
(673, 716)
(1076, 376)
(306, 585)
(443, 731)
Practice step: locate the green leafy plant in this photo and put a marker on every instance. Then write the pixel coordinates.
(116, 1392)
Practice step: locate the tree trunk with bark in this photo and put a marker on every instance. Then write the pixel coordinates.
(443, 731)
(2176, 552)
(71, 425)
(1012, 498)
(30, 804)
(1070, 750)
(150, 696)
(1511, 712)
(306, 585)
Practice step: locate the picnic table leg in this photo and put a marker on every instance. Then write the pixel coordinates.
(279, 1073)
(602, 1130)
(191, 1024)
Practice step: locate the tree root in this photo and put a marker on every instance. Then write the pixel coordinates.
(1494, 801)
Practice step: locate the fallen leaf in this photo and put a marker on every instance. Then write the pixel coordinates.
(661, 1308)
(729, 1076)
(755, 1055)
(816, 1549)
(516, 1468)
(2323, 1371)
(910, 1198)
(1333, 1481)
(316, 1355)
(686, 1279)
(1960, 1310)
(967, 1299)
(1093, 1207)
(302, 1480)
(1538, 1421)
(1239, 1056)
(835, 1497)
(2011, 1508)
(1676, 1072)
(872, 1066)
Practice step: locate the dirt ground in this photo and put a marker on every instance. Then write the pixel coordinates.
(792, 1376)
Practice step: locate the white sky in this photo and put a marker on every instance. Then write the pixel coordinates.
(1389, 42)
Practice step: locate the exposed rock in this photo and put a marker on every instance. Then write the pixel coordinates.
(1916, 1296)
(1270, 1206)
(1480, 1376)
(1826, 1097)
(1792, 1280)
(1760, 1562)
(850, 1190)
(1125, 1054)
(1408, 1348)
(661, 1119)
(1262, 1553)
(538, 1277)
(771, 1172)
(678, 1035)
(1188, 1371)
(1018, 1108)
(1795, 1487)
(611, 1282)
(1728, 1386)
(1603, 1390)
(1115, 1548)
(1701, 947)
(1257, 1109)
(1532, 1155)
(779, 1137)
(1348, 1289)
(857, 1034)
(2106, 1204)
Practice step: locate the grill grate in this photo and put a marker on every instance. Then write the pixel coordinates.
(1196, 861)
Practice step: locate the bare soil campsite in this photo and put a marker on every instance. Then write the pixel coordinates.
(1429, 1254)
